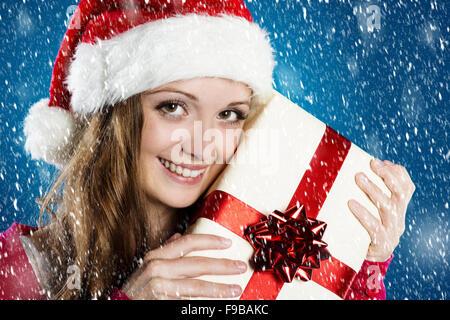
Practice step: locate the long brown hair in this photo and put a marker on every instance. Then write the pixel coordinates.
(102, 223)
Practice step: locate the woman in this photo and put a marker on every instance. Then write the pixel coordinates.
(127, 77)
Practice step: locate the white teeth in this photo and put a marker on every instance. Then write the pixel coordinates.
(185, 172)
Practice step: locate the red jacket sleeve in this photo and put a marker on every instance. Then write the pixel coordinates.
(368, 283)
(116, 294)
(17, 278)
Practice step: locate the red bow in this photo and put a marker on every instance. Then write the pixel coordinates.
(288, 243)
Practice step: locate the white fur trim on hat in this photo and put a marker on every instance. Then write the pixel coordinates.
(162, 51)
(48, 132)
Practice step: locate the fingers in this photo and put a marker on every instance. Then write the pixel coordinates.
(160, 288)
(375, 194)
(367, 220)
(384, 171)
(186, 244)
(167, 273)
(190, 267)
(408, 183)
(392, 210)
(395, 177)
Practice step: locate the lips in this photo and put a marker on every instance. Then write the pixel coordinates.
(183, 170)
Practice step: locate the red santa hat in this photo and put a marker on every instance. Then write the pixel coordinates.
(114, 49)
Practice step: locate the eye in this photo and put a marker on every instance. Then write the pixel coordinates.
(172, 108)
(232, 115)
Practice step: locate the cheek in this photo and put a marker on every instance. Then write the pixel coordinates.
(230, 144)
(155, 138)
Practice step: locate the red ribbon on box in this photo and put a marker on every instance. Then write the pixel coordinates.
(235, 215)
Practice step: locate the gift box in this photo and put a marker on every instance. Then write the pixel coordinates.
(282, 200)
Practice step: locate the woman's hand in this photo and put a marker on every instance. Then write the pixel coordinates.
(385, 235)
(167, 273)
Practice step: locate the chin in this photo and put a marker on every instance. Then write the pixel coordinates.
(180, 203)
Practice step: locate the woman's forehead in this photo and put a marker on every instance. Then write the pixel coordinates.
(204, 81)
(197, 89)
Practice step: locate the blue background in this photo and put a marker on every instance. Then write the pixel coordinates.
(385, 89)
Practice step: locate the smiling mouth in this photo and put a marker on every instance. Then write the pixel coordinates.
(180, 170)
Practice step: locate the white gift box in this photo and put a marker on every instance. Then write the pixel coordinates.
(273, 156)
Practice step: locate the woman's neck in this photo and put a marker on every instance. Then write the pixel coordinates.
(163, 222)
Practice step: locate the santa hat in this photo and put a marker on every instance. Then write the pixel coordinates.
(115, 49)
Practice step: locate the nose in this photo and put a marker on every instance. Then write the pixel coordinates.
(204, 143)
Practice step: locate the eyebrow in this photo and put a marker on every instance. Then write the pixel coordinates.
(192, 97)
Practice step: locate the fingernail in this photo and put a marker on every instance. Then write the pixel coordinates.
(352, 204)
(241, 266)
(377, 163)
(362, 177)
(236, 290)
(226, 242)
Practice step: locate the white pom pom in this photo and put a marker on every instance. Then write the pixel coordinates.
(48, 131)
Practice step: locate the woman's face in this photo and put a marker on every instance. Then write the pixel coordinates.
(191, 131)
